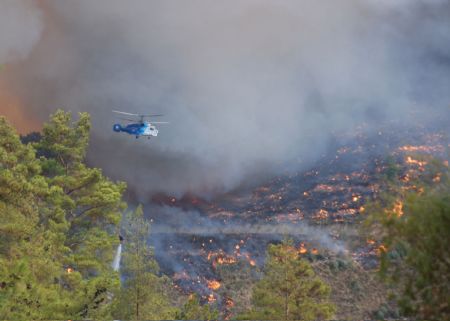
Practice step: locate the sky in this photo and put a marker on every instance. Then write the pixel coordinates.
(250, 87)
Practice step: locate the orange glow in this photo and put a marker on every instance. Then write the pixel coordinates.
(370, 241)
(437, 178)
(211, 298)
(382, 249)
(315, 251)
(69, 270)
(11, 107)
(412, 161)
(321, 214)
(398, 208)
(214, 285)
(302, 249)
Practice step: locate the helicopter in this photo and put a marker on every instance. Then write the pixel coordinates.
(139, 126)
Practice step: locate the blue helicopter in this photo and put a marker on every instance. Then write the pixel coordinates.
(139, 126)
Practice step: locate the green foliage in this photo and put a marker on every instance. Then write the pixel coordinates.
(58, 223)
(193, 310)
(289, 289)
(413, 226)
(144, 295)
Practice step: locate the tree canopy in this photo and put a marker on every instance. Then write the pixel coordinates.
(412, 224)
(58, 224)
(289, 289)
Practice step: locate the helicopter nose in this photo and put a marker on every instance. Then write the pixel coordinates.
(117, 127)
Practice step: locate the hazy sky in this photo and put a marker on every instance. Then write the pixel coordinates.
(247, 85)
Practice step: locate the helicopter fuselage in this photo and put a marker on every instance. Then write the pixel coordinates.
(137, 129)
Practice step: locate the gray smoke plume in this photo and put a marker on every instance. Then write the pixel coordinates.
(20, 29)
(249, 86)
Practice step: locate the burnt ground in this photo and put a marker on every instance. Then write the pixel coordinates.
(217, 247)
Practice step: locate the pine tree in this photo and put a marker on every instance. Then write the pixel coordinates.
(144, 294)
(32, 234)
(412, 227)
(193, 310)
(289, 289)
(92, 207)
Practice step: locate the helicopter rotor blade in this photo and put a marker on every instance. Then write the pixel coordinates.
(124, 113)
(157, 115)
(130, 120)
(160, 122)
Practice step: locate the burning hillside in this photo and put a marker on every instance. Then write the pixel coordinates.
(320, 208)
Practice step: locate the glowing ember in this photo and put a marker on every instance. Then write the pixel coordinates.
(214, 285)
(315, 251)
(321, 214)
(211, 298)
(398, 208)
(302, 249)
(412, 161)
(381, 249)
(69, 270)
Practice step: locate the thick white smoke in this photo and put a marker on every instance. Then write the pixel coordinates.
(247, 85)
(20, 29)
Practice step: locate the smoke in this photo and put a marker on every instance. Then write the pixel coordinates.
(170, 222)
(20, 29)
(249, 87)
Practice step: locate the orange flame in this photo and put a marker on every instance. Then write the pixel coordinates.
(398, 208)
(302, 249)
(211, 298)
(213, 284)
(382, 249)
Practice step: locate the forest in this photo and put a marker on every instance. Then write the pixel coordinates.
(60, 222)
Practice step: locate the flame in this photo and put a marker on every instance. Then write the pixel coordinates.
(412, 161)
(321, 214)
(398, 208)
(420, 148)
(437, 178)
(315, 251)
(382, 249)
(369, 241)
(211, 298)
(302, 249)
(69, 270)
(213, 284)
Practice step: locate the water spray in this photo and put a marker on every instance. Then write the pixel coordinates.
(116, 263)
